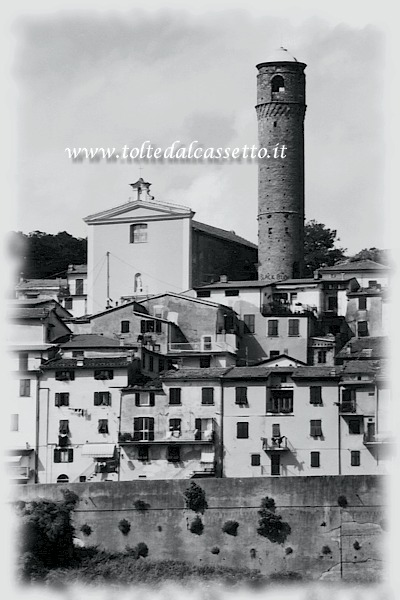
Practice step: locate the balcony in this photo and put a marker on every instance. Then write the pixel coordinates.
(223, 343)
(171, 438)
(347, 406)
(282, 308)
(277, 444)
(377, 439)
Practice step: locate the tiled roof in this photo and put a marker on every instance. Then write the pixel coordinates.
(357, 265)
(234, 284)
(40, 283)
(152, 385)
(365, 347)
(256, 372)
(28, 313)
(230, 236)
(88, 363)
(317, 372)
(90, 340)
(188, 373)
(360, 366)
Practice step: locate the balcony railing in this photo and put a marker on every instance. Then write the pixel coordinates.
(375, 439)
(18, 472)
(286, 308)
(276, 444)
(218, 346)
(347, 406)
(204, 437)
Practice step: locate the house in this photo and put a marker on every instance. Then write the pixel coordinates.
(144, 247)
(368, 312)
(76, 299)
(367, 272)
(41, 288)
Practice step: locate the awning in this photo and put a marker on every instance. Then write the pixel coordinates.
(207, 456)
(12, 459)
(98, 450)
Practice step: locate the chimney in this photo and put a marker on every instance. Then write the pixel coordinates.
(316, 274)
(223, 278)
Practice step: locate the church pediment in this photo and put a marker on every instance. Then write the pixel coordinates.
(134, 211)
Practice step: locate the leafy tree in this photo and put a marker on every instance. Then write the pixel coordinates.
(319, 247)
(379, 256)
(195, 498)
(270, 524)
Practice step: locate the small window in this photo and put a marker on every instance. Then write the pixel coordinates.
(276, 430)
(294, 327)
(242, 430)
(249, 323)
(79, 287)
(63, 455)
(255, 460)
(104, 374)
(362, 303)
(241, 395)
(175, 426)
(64, 427)
(207, 343)
(62, 399)
(25, 387)
(63, 478)
(231, 292)
(273, 327)
(315, 394)
(173, 454)
(138, 233)
(280, 401)
(68, 303)
(143, 453)
(354, 426)
(203, 293)
(14, 422)
(315, 462)
(362, 329)
(277, 84)
(355, 458)
(125, 325)
(23, 361)
(321, 357)
(207, 395)
(102, 399)
(103, 426)
(175, 395)
(332, 303)
(315, 428)
(65, 375)
(274, 353)
(372, 283)
(205, 362)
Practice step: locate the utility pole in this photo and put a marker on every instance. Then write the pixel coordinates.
(108, 279)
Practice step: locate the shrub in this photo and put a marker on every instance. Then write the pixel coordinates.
(195, 498)
(270, 524)
(215, 550)
(288, 550)
(141, 505)
(124, 526)
(159, 528)
(356, 545)
(196, 526)
(286, 576)
(86, 529)
(230, 527)
(326, 550)
(342, 501)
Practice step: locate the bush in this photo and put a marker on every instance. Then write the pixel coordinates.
(215, 550)
(140, 549)
(141, 505)
(124, 526)
(195, 498)
(86, 529)
(230, 527)
(271, 525)
(196, 526)
(356, 545)
(286, 576)
(326, 550)
(342, 501)
(288, 550)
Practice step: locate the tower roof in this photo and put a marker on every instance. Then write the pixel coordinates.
(281, 55)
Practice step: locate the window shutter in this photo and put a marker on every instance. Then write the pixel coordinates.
(58, 400)
(142, 326)
(158, 327)
(241, 395)
(152, 398)
(197, 426)
(137, 399)
(57, 455)
(108, 398)
(315, 394)
(315, 428)
(151, 429)
(315, 459)
(96, 398)
(70, 454)
(270, 404)
(276, 430)
(136, 429)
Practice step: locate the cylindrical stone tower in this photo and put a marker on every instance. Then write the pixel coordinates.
(280, 112)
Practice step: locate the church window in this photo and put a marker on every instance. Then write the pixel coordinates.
(138, 233)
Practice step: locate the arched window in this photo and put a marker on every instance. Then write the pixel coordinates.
(62, 479)
(138, 285)
(278, 84)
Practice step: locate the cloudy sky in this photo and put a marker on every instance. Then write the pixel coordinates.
(101, 77)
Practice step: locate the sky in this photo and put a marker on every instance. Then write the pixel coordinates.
(97, 77)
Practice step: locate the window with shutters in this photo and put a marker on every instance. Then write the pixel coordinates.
(315, 428)
(62, 399)
(64, 427)
(173, 453)
(362, 303)
(249, 323)
(355, 458)
(205, 362)
(104, 374)
(204, 429)
(280, 401)
(274, 353)
(63, 455)
(68, 303)
(24, 387)
(143, 453)
(362, 329)
(143, 429)
(125, 326)
(315, 394)
(273, 327)
(138, 233)
(175, 395)
(206, 343)
(79, 287)
(147, 326)
(314, 459)
(175, 427)
(65, 375)
(207, 395)
(242, 430)
(103, 426)
(294, 327)
(321, 357)
(102, 399)
(255, 460)
(355, 426)
(14, 422)
(23, 361)
(241, 395)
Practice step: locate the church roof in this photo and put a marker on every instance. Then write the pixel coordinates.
(230, 236)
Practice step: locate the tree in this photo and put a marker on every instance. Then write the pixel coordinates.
(319, 247)
(379, 256)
